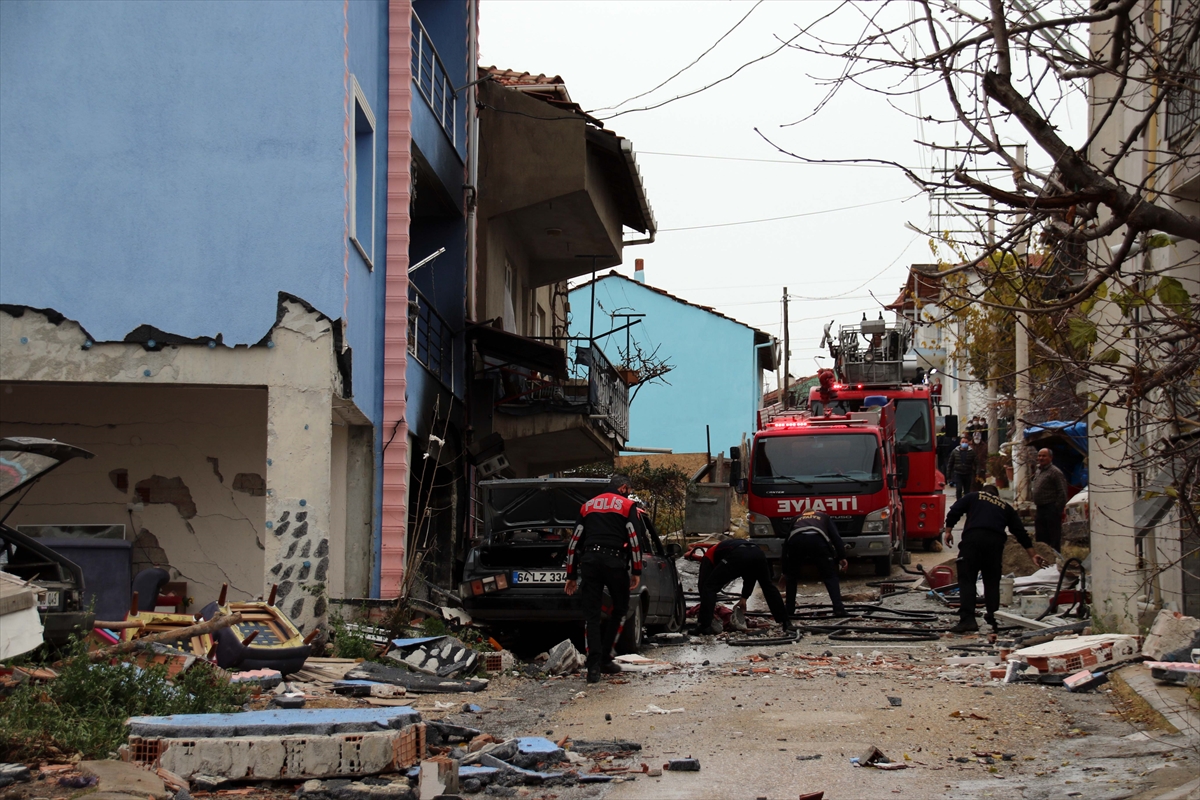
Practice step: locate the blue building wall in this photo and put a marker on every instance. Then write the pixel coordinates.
(715, 380)
(179, 164)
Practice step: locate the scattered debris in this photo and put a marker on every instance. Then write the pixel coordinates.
(563, 658)
(683, 765)
(1065, 656)
(413, 682)
(653, 709)
(443, 656)
(1170, 631)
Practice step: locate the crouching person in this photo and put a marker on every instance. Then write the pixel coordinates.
(727, 561)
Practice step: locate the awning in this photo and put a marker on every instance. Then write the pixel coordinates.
(513, 349)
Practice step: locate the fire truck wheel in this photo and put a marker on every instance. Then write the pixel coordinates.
(883, 566)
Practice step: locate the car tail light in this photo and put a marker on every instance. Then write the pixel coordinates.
(490, 583)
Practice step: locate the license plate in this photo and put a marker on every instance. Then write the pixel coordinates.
(52, 599)
(540, 576)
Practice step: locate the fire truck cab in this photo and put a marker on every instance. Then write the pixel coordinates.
(842, 464)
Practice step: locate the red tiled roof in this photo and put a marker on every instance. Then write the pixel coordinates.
(551, 90)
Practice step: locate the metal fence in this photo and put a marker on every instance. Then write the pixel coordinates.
(430, 337)
(432, 80)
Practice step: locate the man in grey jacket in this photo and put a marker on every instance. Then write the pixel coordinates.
(1049, 492)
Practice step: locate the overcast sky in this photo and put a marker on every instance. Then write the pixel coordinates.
(843, 248)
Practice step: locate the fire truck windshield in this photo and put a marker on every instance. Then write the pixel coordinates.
(817, 459)
(912, 426)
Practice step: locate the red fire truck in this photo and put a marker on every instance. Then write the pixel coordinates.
(842, 464)
(873, 359)
(862, 451)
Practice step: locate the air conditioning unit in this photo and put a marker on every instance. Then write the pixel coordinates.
(492, 466)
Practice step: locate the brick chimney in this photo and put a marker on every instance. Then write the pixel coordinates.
(639, 270)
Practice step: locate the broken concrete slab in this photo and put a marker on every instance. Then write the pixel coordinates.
(118, 776)
(1170, 631)
(563, 658)
(414, 682)
(285, 757)
(315, 722)
(1069, 655)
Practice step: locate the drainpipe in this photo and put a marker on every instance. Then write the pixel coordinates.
(472, 153)
(394, 517)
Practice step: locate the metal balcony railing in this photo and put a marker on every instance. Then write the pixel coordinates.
(603, 395)
(430, 337)
(1183, 102)
(432, 80)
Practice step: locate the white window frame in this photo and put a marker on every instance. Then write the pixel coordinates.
(367, 250)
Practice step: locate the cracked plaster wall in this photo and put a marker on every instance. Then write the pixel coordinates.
(295, 377)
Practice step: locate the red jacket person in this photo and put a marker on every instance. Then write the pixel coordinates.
(604, 553)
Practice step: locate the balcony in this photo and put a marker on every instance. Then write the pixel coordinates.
(551, 422)
(438, 129)
(563, 188)
(430, 338)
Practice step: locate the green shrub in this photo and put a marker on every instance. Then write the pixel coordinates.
(350, 643)
(84, 709)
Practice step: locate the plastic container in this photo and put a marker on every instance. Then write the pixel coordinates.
(1006, 590)
(939, 576)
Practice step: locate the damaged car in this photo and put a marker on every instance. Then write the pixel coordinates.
(515, 573)
(23, 461)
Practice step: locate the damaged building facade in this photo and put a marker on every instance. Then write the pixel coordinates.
(204, 277)
(296, 274)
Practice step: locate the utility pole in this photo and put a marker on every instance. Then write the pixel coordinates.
(786, 352)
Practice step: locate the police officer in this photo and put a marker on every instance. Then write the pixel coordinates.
(603, 552)
(731, 559)
(982, 551)
(814, 540)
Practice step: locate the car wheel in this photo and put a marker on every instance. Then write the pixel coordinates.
(678, 613)
(883, 566)
(631, 634)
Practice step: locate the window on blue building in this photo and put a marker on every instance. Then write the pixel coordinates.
(362, 177)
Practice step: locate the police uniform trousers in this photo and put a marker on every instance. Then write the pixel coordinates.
(980, 552)
(600, 568)
(747, 563)
(811, 549)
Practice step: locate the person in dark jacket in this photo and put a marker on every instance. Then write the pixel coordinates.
(962, 468)
(1049, 494)
(814, 539)
(731, 559)
(982, 551)
(604, 552)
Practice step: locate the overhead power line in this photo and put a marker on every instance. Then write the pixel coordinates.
(763, 160)
(711, 47)
(790, 216)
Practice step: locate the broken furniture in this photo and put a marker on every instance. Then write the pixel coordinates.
(265, 639)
